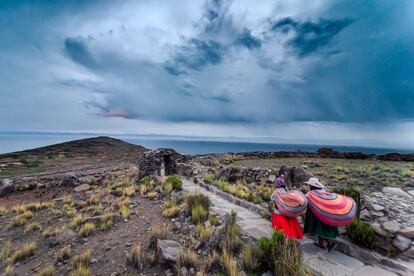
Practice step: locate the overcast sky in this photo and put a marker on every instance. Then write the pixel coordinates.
(297, 70)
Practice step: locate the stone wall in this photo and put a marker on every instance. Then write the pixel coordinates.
(160, 162)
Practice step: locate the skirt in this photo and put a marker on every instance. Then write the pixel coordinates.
(289, 226)
(315, 227)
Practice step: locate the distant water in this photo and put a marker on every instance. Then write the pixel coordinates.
(17, 142)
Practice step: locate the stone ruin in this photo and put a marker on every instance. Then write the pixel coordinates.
(160, 162)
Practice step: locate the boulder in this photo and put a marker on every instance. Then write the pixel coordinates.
(401, 242)
(392, 226)
(168, 250)
(70, 181)
(397, 192)
(82, 188)
(6, 186)
(408, 232)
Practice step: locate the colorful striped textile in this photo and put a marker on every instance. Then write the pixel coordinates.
(332, 209)
(290, 204)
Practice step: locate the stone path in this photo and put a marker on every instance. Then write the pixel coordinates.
(330, 264)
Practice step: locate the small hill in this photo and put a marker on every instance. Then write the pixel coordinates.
(91, 152)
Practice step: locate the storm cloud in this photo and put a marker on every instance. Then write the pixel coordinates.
(122, 64)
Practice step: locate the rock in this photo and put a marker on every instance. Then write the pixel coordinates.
(377, 214)
(70, 181)
(177, 225)
(392, 226)
(378, 230)
(407, 232)
(82, 188)
(365, 215)
(401, 242)
(168, 272)
(168, 250)
(411, 192)
(377, 207)
(397, 192)
(410, 252)
(6, 186)
(116, 193)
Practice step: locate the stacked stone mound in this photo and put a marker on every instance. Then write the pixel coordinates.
(391, 213)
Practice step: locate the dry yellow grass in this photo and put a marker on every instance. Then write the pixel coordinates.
(47, 271)
(76, 222)
(87, 229)
(22, 252)
(63, 254)
(6, 251)
(3, 211)
(136, 258)
(81, 263)
(124, 211)
(129, 191)
(31, 227)
(21, 219)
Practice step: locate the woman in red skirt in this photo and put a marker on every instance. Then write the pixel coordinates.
(289, 226)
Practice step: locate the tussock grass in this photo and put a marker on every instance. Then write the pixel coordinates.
(63, 254)
(129, 191)
(213, 263)
(81, 263)
(170, 208)
(282, 256)
(250, 257)
(232, 241)
(32, 226)
(87, 229)
(152, 195)
(6, 251)
(203, 232)
(22, 253)
(192, 200)
(208, 178)
(199, 214)
(187, 259)
(230, 264)
(106, 221)
(21, 219)
(9, 271)
(124, 211)
(3, 211)
(68, 200)
(52, 231)
(213, 219)
(76, 222)
(47, 271)
(175, 181)
(136, 258)
(93, 200)
(156, 233)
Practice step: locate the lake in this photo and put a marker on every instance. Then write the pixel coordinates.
(10, 142)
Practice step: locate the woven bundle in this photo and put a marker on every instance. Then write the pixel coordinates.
(332, 209)
(290, 204)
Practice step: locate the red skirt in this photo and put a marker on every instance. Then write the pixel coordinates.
(289, 226)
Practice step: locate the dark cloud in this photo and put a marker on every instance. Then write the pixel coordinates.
(310, 36)
(247, 40)
(194, 56)
(76, 49)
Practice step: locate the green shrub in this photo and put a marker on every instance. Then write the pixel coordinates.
(199, 214)
(209, 178)
(355, 194)
(231, 241)
(250, 257)
(361, 233)
(191, 200)
(282, 256)
(176, 182)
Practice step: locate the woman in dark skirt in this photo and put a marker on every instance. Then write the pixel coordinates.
(313, 226)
